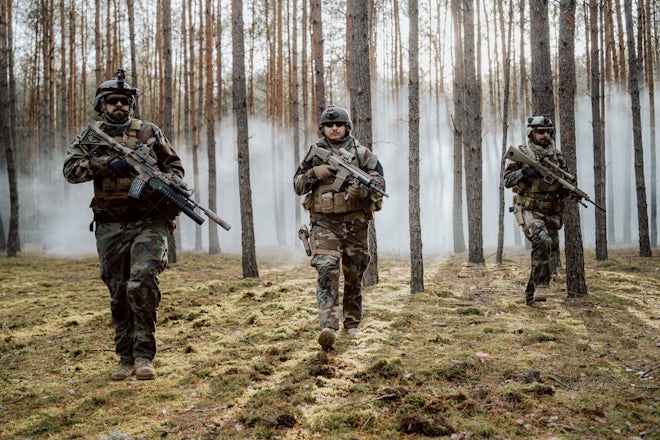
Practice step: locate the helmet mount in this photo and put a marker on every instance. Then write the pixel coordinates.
(115, 86)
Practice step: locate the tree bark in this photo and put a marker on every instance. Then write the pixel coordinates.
(633, 72)
(7, 129)
(416, 255)
(360, 94)
(316, 17)
(542, 94)
(214, 241)
(249, 258)
(600, 169)
(472, 136)
(506, 48)
(458, 124)
(575, 279)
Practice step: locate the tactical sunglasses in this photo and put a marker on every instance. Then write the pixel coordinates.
(332, 124)
(114, 100)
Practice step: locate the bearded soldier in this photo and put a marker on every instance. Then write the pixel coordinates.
(339, 223)
(131, 234)
(538, 203)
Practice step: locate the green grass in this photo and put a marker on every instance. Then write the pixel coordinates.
(238, 358)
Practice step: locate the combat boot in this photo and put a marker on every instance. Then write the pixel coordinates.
(123, 372)
(327, 338)
(541, 293)
(144, 369)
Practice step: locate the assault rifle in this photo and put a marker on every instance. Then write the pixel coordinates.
(551, 173)
(345, 170)
(172, 188)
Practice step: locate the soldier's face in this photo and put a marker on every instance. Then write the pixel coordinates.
(542, 137)
(334, 131)
(118, 107)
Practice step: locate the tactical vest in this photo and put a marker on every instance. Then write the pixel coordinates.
(111, 202)
(323, 201)
(537, 194)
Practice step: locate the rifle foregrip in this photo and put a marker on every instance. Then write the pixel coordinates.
(180, 203)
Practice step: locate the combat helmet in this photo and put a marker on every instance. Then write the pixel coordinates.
(536, 122)
(112, 86)
(335, 114)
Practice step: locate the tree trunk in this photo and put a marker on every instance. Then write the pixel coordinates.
(360, 93)
(316, 17)
(416, 255)
(131, 32)
(575, 280)
(195, 113)
(249, 258)
(472, 145)
(214, 241)
(295, 112)
(633, 72)
(542, 94)
(7, 129)
(597, 133)
(505, 123)
(649, 65)
(459, 104)
(167, 108)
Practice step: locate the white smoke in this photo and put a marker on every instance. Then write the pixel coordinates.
(55, 215)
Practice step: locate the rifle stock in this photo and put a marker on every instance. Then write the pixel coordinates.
(172, 188)
(552, 172)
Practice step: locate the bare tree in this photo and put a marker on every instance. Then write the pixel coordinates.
(649, 57)
(249, 258)
(416, 254)
(506, 55)
(214, 241)
(167, 97)
(458, 124)
(472, 138)
(7, 129)
(542, 94)
(600, 168)
(130, 11)
(633, 72)
(316, 17)
(575, 280)
(360, 93)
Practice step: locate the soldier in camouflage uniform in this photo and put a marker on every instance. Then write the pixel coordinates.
(131, 234)
(538, 204)
(339, 225)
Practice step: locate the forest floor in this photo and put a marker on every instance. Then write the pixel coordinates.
(238, 358)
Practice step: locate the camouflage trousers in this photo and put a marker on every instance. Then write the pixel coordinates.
(336, 242)
(543, 232)
(132, 255)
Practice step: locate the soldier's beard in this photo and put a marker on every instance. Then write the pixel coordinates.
(119, 115)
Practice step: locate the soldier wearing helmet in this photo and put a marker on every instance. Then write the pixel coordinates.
(538, 204)
(131, 234)
(339, 224)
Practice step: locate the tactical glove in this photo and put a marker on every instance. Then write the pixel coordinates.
(529, 171)
(323, 171)
(355, 191)
(121, 168)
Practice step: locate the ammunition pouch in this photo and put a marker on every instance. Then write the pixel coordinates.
(545, 204)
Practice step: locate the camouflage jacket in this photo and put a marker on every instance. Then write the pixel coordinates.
(111, 202)
(533, 192)
(322, 201)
